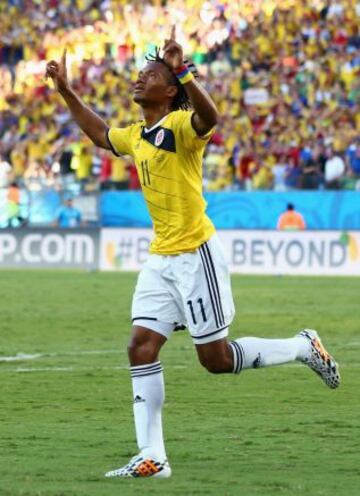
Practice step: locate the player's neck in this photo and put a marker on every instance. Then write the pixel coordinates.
(153, 115)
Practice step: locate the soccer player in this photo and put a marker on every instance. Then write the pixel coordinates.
(185, 281)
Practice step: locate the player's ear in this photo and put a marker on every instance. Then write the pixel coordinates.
(171, 91)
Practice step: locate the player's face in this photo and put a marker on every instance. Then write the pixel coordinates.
(152, 85)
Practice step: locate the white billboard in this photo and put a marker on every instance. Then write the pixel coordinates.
(49, 248)
(301, 252)
(250, 252)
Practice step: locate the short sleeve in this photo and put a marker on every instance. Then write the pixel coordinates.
(186, 132)
(119, 140)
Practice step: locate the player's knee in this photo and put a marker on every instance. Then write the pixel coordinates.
(142, 351)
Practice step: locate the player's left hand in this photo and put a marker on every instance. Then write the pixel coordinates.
(173, 52)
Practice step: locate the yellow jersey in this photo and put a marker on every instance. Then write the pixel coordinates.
(168, 159)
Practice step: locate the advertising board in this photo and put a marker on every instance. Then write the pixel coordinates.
(49, 248)
(250, 252)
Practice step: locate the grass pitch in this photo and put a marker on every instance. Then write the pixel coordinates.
(66, 410)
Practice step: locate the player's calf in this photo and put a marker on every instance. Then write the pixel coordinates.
(216, 356)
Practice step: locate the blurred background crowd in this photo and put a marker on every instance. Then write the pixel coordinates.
(284, 74)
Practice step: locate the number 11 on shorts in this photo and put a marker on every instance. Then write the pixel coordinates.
(202, 310)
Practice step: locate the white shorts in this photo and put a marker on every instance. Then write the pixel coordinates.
(190, 290)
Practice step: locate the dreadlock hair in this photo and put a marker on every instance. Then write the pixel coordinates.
(181, 99)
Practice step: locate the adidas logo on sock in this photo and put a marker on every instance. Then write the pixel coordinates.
(138, 399)
(257, 362)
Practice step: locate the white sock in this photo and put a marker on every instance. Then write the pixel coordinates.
(257, 352)
(149, 396)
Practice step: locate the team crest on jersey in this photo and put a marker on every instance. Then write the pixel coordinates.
(162, 139)
(159, 137)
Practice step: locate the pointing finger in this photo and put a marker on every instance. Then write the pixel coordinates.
(173, 32)
(63, 57)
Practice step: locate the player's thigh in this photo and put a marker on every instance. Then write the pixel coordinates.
(155, 306)
(205, 288)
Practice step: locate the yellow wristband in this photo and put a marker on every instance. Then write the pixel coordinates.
(186, 78)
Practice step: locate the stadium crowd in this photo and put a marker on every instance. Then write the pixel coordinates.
(284, 74)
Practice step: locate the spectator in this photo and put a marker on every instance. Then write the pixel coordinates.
(291, 220)
(105, 169)
(279, 173)
(18, 161)
(292, 174)
(5, 173)
(310, 174)
(134, 183)
(247, 167)
(334, 170)
(217, 171)
(119, 173)
(83, 168)
(65, 160)
(353, 158)
(35, 176)
(221, 66)
(15, 218)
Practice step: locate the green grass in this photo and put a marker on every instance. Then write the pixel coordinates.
(66, 417)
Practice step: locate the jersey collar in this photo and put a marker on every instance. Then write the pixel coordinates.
(146, 130)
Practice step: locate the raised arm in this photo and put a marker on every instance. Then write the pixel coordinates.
(205, 111)
(92, 125)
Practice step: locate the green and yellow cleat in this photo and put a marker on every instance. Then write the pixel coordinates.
(320, 361)
(140, 466)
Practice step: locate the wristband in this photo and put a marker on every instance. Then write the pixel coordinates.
(183, 74)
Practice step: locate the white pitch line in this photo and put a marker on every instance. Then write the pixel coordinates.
(60, 369)
(74, 369)
(84, 352)
(43, 369)
(27, 356)
(351, 344)
(20, 356)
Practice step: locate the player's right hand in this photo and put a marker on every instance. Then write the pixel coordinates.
(57, 72)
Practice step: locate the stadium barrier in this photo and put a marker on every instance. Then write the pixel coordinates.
(247, 252)
(228, 210)
(243, 210)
